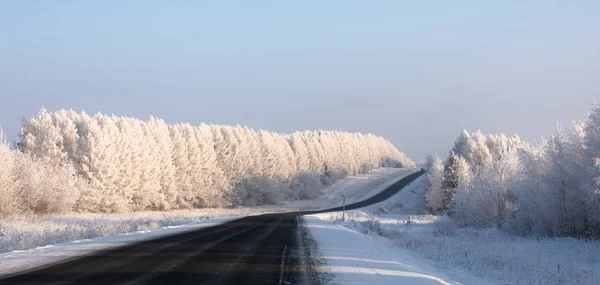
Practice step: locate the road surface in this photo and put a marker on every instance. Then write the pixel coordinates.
(260, 249)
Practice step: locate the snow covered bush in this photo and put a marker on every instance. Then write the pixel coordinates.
(43, 188)
(30, 186)
(373, 227)
(306, 186)
(8, 201)
(444, 226)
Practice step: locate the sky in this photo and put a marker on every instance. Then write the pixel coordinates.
(414, 72)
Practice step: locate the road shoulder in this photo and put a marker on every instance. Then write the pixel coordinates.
(354, 258)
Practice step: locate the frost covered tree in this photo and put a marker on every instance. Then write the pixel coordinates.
(429, 162)
(544, 188)
(300, 152)
(487, 200)
(124, 164)
(456, 173)
(478, 153)
(41, 139)
(435, 177)
(462, 144)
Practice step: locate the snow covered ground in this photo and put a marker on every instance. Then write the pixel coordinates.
(354, 258)
(351, 257)
(422, 241)
(27, 232)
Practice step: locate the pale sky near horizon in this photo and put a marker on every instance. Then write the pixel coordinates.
(414, 72)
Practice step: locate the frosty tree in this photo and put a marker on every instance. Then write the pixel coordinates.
(549, 187)
(127, 164)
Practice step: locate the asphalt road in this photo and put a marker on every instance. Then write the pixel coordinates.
(252, 250)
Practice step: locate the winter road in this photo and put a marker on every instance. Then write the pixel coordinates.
(262, 249)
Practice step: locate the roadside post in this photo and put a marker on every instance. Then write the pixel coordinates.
(344, 209)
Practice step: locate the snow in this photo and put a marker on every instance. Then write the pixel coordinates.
(354, 258)
(392, 242)
(23, 260)
(32, 231)
(354, 188)
(465, 255)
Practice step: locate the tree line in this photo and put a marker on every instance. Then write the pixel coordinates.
(548, 187)
(69, 161)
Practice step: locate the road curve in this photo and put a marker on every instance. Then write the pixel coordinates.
(252, 250)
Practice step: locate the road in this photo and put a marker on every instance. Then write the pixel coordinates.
(261, 249)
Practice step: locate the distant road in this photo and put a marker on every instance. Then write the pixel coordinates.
(260, 249)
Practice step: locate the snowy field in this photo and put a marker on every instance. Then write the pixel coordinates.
(465, 255)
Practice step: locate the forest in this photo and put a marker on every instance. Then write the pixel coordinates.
(547, 188)
(66, 161)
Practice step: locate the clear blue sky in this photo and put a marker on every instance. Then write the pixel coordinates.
(415, 72)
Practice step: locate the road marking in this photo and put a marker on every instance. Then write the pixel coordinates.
(282, 265)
